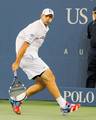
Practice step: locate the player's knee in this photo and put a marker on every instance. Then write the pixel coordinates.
(49, 77)
(49, 80)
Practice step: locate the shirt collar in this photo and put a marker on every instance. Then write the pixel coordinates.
(46, 28)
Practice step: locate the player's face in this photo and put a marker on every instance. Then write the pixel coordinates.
(94, 15)
(47, 19)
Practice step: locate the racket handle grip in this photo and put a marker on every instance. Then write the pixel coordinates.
(15, 74)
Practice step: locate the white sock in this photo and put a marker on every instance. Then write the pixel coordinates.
(21, 96)
(60, 100)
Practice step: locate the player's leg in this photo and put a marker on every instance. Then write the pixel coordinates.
(38, 86)
(49, 80)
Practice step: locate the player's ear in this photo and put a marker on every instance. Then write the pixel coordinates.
(41, 16)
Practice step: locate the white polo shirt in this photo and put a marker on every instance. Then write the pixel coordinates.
(34, 34)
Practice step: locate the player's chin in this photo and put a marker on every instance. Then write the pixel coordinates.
(47, 23)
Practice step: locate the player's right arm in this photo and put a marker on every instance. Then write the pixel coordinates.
(19, 56)
(29, 35)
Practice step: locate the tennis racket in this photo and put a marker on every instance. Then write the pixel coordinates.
(17, 89)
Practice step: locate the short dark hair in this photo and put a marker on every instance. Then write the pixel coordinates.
(94, 9)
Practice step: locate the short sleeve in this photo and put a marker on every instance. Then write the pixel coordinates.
(29, 38)
(30, 33)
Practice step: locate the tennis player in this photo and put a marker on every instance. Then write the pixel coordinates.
(28, 42)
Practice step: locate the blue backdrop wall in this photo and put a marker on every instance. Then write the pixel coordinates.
(66, 46)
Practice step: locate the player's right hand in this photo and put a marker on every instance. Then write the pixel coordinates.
(15, 66)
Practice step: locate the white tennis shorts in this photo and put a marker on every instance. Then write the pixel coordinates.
(33, 67)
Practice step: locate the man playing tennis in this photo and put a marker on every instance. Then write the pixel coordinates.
(28, 42)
